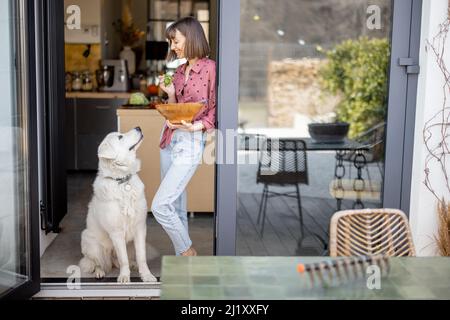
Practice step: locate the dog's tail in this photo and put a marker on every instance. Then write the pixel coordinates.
(87, 265)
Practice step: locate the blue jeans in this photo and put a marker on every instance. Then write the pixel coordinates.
(178, 162)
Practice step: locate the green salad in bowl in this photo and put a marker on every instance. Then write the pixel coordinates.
(167, 79)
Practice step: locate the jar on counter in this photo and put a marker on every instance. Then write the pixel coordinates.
(76, 81)
(68, 81)
(87, 84)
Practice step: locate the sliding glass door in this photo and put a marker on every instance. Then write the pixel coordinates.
(322, 93)
(313, 80)
(17, 157)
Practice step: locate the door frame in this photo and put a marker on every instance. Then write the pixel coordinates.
(50, 72)
(26, 27)
(403, 93)
(405, 41)
(228, 42)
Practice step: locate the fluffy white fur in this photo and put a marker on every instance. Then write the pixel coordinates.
(117, 213)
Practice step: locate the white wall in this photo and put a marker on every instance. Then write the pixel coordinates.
(423, 214)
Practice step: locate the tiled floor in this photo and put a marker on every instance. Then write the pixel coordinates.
(281, 237)
(66, 250)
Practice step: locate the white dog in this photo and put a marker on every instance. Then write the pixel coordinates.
(117, 212)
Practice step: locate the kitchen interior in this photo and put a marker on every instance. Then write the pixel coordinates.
(119, 51)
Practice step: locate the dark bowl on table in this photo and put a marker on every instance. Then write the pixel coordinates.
(335, 132)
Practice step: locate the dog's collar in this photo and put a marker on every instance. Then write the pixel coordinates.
(123, 179)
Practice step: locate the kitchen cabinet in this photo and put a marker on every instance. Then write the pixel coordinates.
(200, 190)
(88, 121)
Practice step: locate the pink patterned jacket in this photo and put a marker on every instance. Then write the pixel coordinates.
(200, 87)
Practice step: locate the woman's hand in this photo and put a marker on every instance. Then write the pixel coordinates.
(170, 89)
(186, 126)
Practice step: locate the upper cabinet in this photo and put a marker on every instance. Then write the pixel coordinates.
(89, 15)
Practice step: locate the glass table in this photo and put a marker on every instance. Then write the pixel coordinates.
(276, 278)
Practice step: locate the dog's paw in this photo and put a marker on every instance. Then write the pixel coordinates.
(123, 278)
(99, 273)
(148, 277)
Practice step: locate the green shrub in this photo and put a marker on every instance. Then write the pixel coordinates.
(357, 70)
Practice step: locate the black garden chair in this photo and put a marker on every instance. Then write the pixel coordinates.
(282, 162)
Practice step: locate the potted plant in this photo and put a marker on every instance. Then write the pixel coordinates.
(357, 71)
(129, 36)
(435, 139)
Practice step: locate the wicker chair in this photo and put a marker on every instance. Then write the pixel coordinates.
(370, 232)
(282, 162)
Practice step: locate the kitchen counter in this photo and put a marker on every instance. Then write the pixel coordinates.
(200, 190)
(98, 95)
(276, 278)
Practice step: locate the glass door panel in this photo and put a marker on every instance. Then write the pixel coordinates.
(312, 109)
(14, 193)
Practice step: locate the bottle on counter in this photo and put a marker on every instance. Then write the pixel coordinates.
(142, 84)
(152, 84)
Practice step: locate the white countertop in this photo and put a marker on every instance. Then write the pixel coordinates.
(98, 95)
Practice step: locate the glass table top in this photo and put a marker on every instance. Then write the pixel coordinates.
(277, 278)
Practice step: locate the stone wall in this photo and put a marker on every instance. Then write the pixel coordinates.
(293, 88)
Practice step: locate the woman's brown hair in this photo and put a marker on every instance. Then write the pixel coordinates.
(196, 44)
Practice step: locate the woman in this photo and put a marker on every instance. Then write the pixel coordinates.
(181, 146)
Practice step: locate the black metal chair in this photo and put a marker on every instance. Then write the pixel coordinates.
(283, 162)
(251, 141)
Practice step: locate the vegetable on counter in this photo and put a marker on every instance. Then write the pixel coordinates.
(138, 99)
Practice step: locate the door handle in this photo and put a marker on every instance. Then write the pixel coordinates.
(103, 107)
(411, 66)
